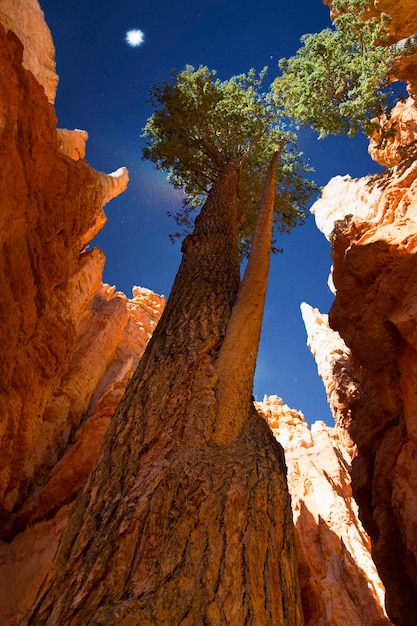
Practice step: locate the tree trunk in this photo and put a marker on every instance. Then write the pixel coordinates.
(174, 527)
(237, 359)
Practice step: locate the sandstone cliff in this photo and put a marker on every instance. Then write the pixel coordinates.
(367, 359)
(69, 343)
(338, 578)
(26, 19)
(371, 224)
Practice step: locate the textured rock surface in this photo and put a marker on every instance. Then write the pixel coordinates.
(26, 19)
(334, 364)
(112, 336)
(72, 142)
(372, 225)
(402, 126)
(54, 307)
(69, 343)
(340, 584)
(113, 333)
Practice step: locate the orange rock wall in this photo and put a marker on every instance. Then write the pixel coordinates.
(26, 19)
(372, 225)
(370, 346)
(338, 578)
(334, 364)
(69, 343)
(63, 332)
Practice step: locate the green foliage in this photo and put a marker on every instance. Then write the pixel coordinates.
(200, 124)
(337, 82)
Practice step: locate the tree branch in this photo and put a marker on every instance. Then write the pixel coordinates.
(405, 47)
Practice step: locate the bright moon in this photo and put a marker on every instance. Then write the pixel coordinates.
(134, 37)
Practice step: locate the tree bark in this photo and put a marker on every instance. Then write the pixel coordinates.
(237, 359)
(174, 527)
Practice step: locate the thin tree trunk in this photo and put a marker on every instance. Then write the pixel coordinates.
(172, 529)
(237, 359)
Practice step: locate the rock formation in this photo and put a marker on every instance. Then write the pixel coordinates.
(56, 396)
(371, 224)
(337, 575)
(372, 232)
(401, 130)
(26, 19)
(334, 364)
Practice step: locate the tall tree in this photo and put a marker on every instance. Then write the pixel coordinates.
(186, 518)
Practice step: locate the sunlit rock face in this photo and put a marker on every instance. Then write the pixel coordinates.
(401, 131)
(26, 19)
(372, 225)
(49, 282)
(112, 335)
(54, 306)
(335, 368)
(338, 578)
(69, 343)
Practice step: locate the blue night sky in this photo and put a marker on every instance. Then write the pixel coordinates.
(104, 86)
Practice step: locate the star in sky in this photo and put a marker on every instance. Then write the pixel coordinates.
(135, 37)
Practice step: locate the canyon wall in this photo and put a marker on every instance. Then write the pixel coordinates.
(338, 579)
(26, 19)
(70, 344)
(371, 224)
(366, 347)
(54, 307)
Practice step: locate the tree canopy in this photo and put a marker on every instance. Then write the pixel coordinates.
(338, 81)
(200, 124)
